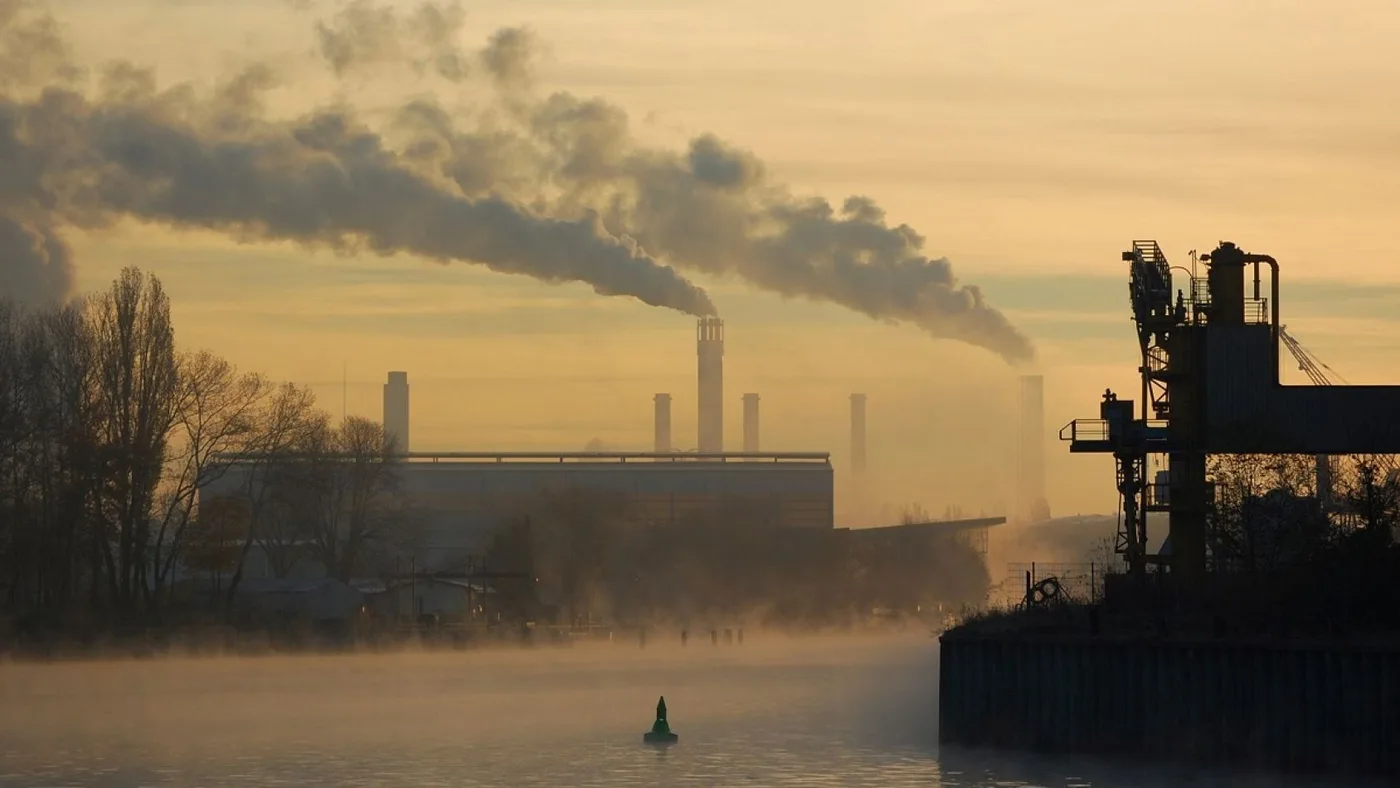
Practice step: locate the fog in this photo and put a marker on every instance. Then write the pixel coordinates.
(853, 710)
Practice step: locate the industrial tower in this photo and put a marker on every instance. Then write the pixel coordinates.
(662, 431)
(396, 412)
(1210, 385)
(1030, 465)
(750, 423)
(710, 349)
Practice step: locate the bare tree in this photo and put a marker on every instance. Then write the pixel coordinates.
(216, 413)
(914, 513)
(49, 475)
(341, 492)
(138, 384)
(108, 438)
(1371, 499)
(73, 406)
(1266, 515)
(213, 537)
(287, 419)
(12, 429)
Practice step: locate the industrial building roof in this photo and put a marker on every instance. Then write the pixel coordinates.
(937, 527)
(579, 457)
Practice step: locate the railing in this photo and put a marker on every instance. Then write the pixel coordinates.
(1149, 252)
(1085, 430)
(1200, 291)
(1256, 311)
(1099, 430)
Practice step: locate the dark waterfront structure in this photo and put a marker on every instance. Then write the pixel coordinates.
(1294, 669)
(1276, 705)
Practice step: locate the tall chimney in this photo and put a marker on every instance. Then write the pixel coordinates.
(858, 434)
(750, 422)
(1031, 466)
(396, 411)
(710, 348)
(663, 424)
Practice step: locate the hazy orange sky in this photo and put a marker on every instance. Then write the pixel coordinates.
(1029, 142)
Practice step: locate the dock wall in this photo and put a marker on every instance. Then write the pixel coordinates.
(1286, 707)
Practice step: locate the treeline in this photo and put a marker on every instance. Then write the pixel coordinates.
(1270, 515)
(107, 433)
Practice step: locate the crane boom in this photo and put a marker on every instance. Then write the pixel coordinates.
(1314, 367)
(1310, 364)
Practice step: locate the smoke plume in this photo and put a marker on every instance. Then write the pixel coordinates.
(35, 265)
(361, 36)
(184, 159)
(710, 208)
(548, 185)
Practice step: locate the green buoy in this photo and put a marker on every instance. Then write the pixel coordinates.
(660, 732)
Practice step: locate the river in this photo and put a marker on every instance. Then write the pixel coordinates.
(773, 712)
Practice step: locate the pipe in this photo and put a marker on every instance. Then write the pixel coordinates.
(1273, 294)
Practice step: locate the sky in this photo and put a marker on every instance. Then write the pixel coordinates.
(1029, 143)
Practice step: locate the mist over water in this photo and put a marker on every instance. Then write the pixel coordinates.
(773, 712)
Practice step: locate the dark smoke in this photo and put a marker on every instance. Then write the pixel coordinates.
(552, 186)
(35, 265)
(508, 57)
(711, 208)
(327, 179)
(362, 36)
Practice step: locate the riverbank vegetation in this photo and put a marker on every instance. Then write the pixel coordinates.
(107, 432)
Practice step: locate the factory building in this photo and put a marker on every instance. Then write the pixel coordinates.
(457, 501)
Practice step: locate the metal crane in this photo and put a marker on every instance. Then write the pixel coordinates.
(1314, 367)
(1310, 364)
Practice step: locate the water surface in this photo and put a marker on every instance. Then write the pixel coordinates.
(772, 712)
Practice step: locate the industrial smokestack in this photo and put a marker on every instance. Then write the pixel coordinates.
(663, 424)
(1031, 465)
(751, 422)
(858, 434)
(710, 348)
(396, 412)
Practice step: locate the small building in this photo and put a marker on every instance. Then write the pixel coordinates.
(446, 598)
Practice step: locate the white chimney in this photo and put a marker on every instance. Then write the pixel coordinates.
(751, 422)
(858, 434)
(396, 411)
(1030, 482)
(663, 424)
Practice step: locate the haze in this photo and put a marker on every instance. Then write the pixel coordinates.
(850, 711)
(1029, 143)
